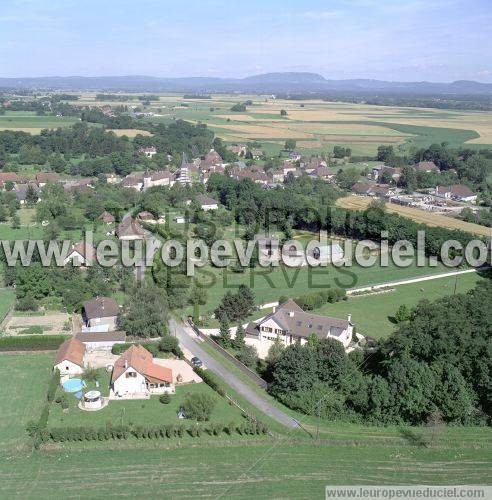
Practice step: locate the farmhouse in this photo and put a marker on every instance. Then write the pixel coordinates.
(9, 177)
(210, 159)
(136, 376)
(98, 341)
(129, 229)
(457, 192)
(238, 149)
(81, 254)
(134, 180)
(146, 217)
(148, 152)
(206, 203)
(69, 359)
(101, 314)
(107, 217)
(160, 178)
(44, 178)
(426, 166)
(291, 324)
(256, 153)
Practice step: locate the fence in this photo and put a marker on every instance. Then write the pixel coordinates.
(247, 371)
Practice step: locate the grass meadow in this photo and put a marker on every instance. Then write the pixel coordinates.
(288, 464)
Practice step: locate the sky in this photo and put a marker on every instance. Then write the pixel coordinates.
(396, 40)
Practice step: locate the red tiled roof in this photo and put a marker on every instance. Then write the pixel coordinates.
(141, 361)
(44, 177)
(71, 350)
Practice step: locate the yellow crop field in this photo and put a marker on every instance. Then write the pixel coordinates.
(129, 132)
(422, 216)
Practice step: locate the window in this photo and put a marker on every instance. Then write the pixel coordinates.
(131, 374)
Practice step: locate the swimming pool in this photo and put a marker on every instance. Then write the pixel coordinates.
(73, 385)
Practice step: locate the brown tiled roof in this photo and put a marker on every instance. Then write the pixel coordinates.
(457, 190)
(117, 336)
(107, 217)
(101, 307)
(361, 187)
(161, 174)
(9, 176)
(291, 318)
(426, 166)
(145, 216)
(141, 361)
(71, 350)
(44, 177)
(205, 200)
(129, 227)
(85, 250)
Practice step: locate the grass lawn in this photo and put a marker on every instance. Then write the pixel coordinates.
(374, 314)
(22, 233)
(345, 454)
(272, 470)
(268, 284)
(142, 412)
(7, 296)
(23, 384)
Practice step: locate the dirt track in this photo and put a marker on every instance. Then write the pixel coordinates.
(429, 218)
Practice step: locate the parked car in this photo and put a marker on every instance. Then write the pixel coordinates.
(196, 362)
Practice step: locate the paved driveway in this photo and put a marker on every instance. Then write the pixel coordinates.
(189, 341)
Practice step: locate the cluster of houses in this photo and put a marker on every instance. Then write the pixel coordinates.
(134, 374)
(22, 186)
(437, 198)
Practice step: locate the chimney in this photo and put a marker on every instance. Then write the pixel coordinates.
(349, 318)
(126, 364)
(291, 314)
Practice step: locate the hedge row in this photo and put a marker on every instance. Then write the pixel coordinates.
(71, 434)
(210, 380)
(314, 300)
(32, 342)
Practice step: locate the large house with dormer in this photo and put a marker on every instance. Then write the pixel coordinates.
(291, 324)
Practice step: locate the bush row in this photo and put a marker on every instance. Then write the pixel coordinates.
(314, 300)
(32, 342)
(166, 344)
(71, 434)
(210, 380)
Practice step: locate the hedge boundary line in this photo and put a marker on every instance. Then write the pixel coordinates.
(32, 342)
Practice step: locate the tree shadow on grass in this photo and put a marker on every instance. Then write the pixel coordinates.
(412, 437)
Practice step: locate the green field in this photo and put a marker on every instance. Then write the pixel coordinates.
(23, 384)
(289, 464)
(30, 122)
(268, 284)
(7, 296)
(373, 315)
(263, 471)
(143, 412)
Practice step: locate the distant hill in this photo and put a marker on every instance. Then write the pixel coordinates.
(264, 83)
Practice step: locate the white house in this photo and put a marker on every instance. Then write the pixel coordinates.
(148, 152)
(328, 253)
(81, 254)
(207, 203)
(291, 324)
(101, 314)
(160, 178)
(69, 359)
(101, 341)
(457, 192)
(130, 229)
(136, 376)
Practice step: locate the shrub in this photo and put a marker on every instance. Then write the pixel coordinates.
(198, 406)
(53, 386)
(27, 303)
(170, 344)
(210, 380)
(165, 399)
(32, 342)
(32, 330)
